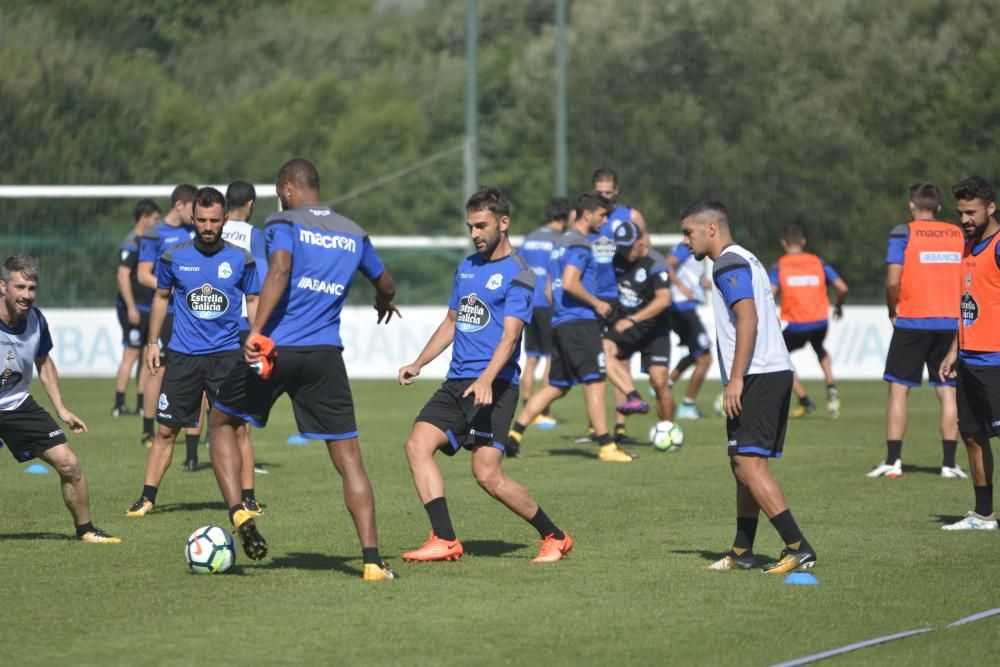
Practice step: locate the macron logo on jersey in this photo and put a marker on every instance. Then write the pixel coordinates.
(931, 257)
(803, 281)
(329, 241)
(316, 285)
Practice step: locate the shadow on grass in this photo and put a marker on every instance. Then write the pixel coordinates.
(189, 507)
(494, 548)
(945, 519)
(34, 536)
(574, 451)
(313, 561)
(712, 556)
(924, 469)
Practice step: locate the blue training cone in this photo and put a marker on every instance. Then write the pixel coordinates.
(801, 579)
(296, 440)
(37, 469)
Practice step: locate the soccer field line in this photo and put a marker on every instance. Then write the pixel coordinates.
(815, 657)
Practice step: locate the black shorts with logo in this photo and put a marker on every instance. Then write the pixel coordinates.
(465, 424)
(186, 378)
(538, 333)
(577, 354)
(910, 350)
(796, 339)
(688, 327)
(133, 335)
(978, 398)
(28, 430)
(652, 341)
(316, 381)
(759, 430)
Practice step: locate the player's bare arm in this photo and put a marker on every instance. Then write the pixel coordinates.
(144, 273)
(656, 307)
(438, 343)
(49, 378)
(746, 337)
(572, 284)
(125, 289)
(482, 388)
(157, 314)
(385, 291)
(841, 288)
(893, 275)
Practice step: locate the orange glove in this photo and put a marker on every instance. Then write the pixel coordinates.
(264, 365)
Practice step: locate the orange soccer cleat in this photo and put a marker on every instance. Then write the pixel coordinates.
(435, 549)
(264, 365)
(553, 549)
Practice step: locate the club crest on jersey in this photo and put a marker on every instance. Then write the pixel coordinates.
(9, 377)
(473, 314)
(495, 281)
(640, 275)
(206, 302)
(163, 403)
(970, 310)
(225, 270)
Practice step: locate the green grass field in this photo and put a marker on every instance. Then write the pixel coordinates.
(634, 590)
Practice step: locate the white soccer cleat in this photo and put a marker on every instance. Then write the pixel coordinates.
(833, 407)
(890, 470)
(973, 521)
(953, 473)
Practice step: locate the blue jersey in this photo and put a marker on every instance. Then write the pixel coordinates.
(537, 251)
(209, 293)
(603, 247)
(485, 293)
(327, 250)
(574, 250)
(157, 239)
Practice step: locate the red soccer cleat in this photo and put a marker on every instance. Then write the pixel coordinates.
(553, 549)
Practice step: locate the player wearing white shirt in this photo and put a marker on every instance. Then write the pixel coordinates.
(757, 373)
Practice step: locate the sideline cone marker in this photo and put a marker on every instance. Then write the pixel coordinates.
(296, 440)
(801, 579)
(37, 469)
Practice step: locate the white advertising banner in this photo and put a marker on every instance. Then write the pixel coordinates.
(87, 342)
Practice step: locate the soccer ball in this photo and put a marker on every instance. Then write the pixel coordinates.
(210, 550)
(666, 436)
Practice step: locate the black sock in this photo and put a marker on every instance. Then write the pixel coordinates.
(634, 396)
(437, 512)
(805, 400)
(147, 426)
(948, 447)
(547, 411)
(119, 399)
(248, 496)
(84, 529)
(984, 500)
(149, 492)
(192, 446)
(604, 440)
(518, 428)
(831, 387)
(370, 555)
(746, 531)
(785, 524)
(543, 524)
(138, 402)
(894, 451)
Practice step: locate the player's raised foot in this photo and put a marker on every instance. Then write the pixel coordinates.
(746, 561)
(435, 549)
(146, 440)
(544, 422)
(612, 454)
(633, 406)
(890, 470)
(800, 411)
(689, 411)
(378, 572)
(98, 536)
(512, 448)
(589, 436)
(973, 521)
(553, 549)
(953, 472)
(833, 407)
(791, 560)
(252, 506)
(141, 507)
(254, 544)
(190, 465)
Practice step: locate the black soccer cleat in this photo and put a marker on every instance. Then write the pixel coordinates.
(254, 544)
(792, 560)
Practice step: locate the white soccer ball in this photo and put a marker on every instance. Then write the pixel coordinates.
(666, 435)
(210, 550)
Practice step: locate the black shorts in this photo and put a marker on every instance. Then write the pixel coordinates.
(796, 339)
(538, 333)
(688, 327)
(316, 381)
(577, 354)
(133, 336)
(186, 378)
(465, 424)
(910, 350)
(653, 342)
(760, 428)
(978, 398)
(28, 430)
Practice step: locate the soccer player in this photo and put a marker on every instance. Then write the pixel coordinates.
(639, 323)
(687, 292)
(803, 279)
(208, 280)
(489, 306)
(577, 321)
(294, 341)
(757, 376)
(537, 252)
(26, 428)
(974, 356)
(133, 307)
(924, 267)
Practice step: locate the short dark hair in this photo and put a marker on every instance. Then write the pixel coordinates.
(558, 209)
(240, 193)
(23, 263)
(703, 205)
(605, 174)
(208, 197)
(183, 193)
(974, 187)
(925, 196)
(488, 198)
(792, 234)
(591, 201)
(300, 172)
(144, 207)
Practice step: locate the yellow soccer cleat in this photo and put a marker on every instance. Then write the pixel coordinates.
(800, 559)
(254, 544)
(378, 572)
(141, 507)
(98, 536)
(253, 507)
(800, 411)
(611, 454)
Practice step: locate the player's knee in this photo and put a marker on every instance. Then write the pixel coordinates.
(69, 468)
(489, 478)
(418, 448)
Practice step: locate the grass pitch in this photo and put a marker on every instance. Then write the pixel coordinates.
(634, 590)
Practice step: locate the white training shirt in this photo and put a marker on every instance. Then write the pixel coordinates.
(18, 350)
